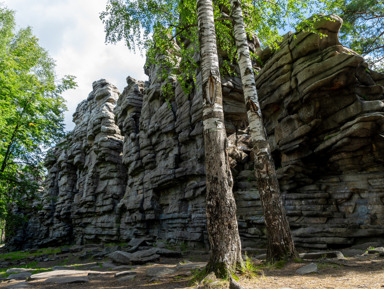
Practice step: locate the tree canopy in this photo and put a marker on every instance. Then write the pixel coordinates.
(363, 29)
(31, 109)
(141, 24)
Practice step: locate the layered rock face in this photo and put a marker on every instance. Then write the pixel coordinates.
(134, 164)
(323, 111)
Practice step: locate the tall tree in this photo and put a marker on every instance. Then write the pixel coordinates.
(176, 20)
(31, 108)
(280, 242)
(221, 206)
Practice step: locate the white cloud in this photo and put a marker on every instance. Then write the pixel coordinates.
(73, 34)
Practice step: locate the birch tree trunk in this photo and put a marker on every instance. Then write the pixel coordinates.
(280, 242)
(222, 225)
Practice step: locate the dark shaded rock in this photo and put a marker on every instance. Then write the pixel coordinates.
(325, 254)
(352, 252)
(160, 271)
(19, 276)
(120, 257)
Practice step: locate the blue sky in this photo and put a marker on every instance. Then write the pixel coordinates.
(70, 30)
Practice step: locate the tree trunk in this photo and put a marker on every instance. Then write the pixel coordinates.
(221, 207)
(9, 149)
(280, 242)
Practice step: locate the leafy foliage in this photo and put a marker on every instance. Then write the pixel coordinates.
(31, 108)
(363, 29)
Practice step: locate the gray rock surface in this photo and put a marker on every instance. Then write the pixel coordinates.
(19, 276)
(120, 257)
(352, 252)
(307, 269)
(160, 271)
(17, 270)
(125, 273)
(325, 254)
(59, 273)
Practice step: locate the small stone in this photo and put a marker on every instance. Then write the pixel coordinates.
(352, 252)
(121, 257)
(307, 269)
(19, 276)
(125, 273)
(17, 270)
(160, 271)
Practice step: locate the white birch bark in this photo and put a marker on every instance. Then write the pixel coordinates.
(280, 242)
(222, 224)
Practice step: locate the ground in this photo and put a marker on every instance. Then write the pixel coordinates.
(360, 271)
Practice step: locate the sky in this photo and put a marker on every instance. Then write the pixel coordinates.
(73, 35)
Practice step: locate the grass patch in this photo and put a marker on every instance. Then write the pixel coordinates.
(298, 260)
(19, 255)
(32, 266)
(249, 269)
(197, 276)
(324, 266)
(122, 244)
(273, 266)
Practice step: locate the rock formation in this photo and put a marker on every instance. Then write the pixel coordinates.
(324, 114)
(134, 164)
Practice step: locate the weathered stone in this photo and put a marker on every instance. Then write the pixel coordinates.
(160, 271)
(352, 252)
(17, 270)
(307, 269)
(19, 276)
(59, 273)
(325, 254)
(125, 273)
(120, 257)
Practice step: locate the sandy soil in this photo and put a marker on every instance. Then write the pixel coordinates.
(355, 272)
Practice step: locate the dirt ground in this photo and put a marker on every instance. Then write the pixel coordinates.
(366, 271)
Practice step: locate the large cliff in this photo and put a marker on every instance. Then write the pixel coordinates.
(134, 164)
